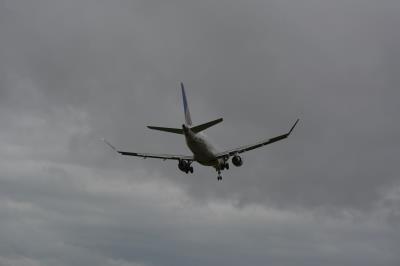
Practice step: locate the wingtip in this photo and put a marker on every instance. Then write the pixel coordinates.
(294, 125)
(109, 144)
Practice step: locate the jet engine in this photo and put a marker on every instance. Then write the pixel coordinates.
(237, 160)
(185, 166)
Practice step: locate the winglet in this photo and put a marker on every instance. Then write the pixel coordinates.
(109, 145)
(290, 131)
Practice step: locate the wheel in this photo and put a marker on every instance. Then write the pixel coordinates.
(219, 177)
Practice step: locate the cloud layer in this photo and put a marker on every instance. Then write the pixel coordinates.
(72, 72)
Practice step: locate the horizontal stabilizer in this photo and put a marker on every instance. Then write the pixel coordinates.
(204, 126)
(168, 129)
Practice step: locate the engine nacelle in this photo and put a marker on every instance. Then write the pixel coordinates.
(237, 161)
(183, 165)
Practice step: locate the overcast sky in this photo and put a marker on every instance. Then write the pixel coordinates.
(72, 72)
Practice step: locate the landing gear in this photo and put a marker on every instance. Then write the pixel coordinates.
(225, 166)
(189, 170)
(185, 166)
(219, 177)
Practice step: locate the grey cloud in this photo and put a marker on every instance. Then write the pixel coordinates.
(72, 72)
(106, 219)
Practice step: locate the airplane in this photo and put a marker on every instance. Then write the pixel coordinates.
(203, 152)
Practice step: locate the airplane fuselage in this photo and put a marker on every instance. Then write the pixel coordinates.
(204, 153)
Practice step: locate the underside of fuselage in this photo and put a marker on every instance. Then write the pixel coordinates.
(203, 151)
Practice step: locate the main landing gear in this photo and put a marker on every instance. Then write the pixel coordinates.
(224, 165)
(219, 177)
(185, 166)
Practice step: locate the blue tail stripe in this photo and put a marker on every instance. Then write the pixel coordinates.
(188, 119)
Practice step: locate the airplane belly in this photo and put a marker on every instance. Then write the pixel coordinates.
(202, 153)
(205, 159)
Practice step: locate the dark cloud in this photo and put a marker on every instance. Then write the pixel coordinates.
(72, 72)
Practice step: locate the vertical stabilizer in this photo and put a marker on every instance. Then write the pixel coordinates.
(188, 119)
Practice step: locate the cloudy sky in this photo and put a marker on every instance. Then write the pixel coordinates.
(72, 72)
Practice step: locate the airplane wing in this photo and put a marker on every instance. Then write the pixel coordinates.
(256, 145)
(152, 155)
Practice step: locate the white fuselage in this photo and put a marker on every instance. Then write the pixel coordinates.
(204, 153)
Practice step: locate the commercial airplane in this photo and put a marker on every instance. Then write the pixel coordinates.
(203, 152)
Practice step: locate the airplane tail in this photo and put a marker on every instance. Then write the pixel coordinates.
(168, 129)
(188, 120)
(195, 129)
(204, 126)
